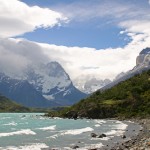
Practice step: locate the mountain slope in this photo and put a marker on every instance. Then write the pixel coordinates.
(41, 85)
(7, 105)
(142, 63)
(90, 84)
(128, 98)
(22, 92)
(54, 83)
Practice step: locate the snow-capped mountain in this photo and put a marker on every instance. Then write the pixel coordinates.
(22, 92)
(91, 84)
(48, 83)
(47, 77)
(142, 63)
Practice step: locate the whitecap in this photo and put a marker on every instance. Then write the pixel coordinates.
(103, 139)
(97, 125)
(48, 128)
(3, 118)
(92, 146)
(21, 132)
(121, 126)
(34, 146)
(10, 124)
(57, 118)
(115, 132)
(53, 136)
(77, 131)
(100, 121)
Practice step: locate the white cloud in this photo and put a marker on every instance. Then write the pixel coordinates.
(77, 61)
(18, 18)
(99, 63)
(16, 55)
(113, 11)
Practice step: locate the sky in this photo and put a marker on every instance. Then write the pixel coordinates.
(92, 38)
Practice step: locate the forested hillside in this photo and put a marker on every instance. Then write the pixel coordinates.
(7, 105)
(130, 98)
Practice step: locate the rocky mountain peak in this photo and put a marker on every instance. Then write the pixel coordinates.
(145, 51)
(54, 69)
(144, 58)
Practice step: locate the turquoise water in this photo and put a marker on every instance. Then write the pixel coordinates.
(32, 131)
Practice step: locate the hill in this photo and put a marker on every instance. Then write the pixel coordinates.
(7, 105)
(130, 98)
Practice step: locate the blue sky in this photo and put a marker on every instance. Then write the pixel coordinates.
(98, 32)
(96, 38)
(99, 38)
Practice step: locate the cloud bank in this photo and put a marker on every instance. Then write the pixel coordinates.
(18, 18)
(17, 54)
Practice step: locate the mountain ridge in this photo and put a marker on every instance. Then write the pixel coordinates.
(44, 85)
(142, 64)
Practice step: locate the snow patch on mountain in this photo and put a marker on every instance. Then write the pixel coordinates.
(91, 84)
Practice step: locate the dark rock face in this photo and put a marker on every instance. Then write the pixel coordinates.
(145, 51)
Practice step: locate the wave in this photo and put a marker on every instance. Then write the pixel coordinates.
(34, 146)
(100, 121)
(21, 132)
(48, 128)
(97, 125)
(92, 146)
(118, 129)
(121, 126)
(77, 131)
(3, 118)
(10, 124)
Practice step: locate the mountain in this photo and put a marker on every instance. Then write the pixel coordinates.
(7, 105)
(90, 84)
(130, 98)
(42, 85)
(22, 92)
(142, 63)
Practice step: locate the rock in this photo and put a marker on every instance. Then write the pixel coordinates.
(148, 143)
(123, 136)
(93, 135)
(102, 135)
(75, 147)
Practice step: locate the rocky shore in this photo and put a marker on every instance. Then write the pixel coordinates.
(132, 139)
(142, 142)
(139, 142)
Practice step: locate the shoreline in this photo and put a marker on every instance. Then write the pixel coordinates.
(141, 141)
(135, 139)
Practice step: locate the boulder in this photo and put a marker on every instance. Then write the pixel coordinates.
(123, 136)
(93, 135)
(75, 147)
(102, 135)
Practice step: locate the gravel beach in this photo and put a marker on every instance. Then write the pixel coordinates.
(140, 141)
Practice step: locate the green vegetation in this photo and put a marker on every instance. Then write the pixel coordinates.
(130, 98)
(7, 105)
